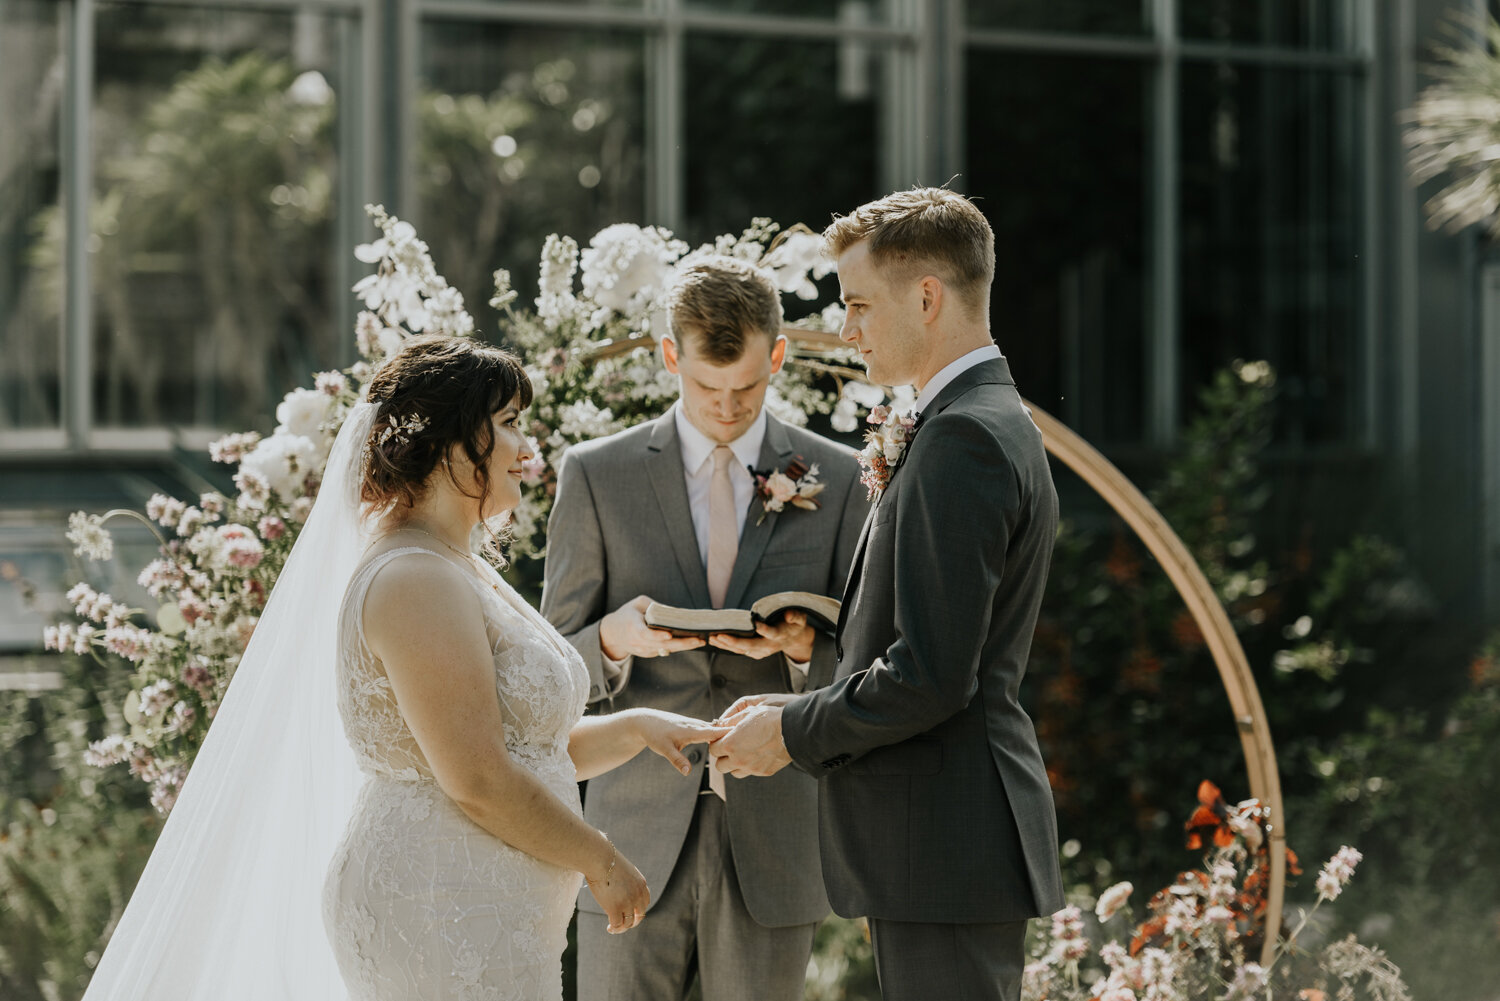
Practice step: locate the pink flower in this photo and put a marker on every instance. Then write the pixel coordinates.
(330, 383)
(781, 487)
(271, 527)
(241, 547)
(878, 414)
(1112, 899)
(1337, 872)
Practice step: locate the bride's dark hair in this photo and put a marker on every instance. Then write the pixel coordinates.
(435, 392)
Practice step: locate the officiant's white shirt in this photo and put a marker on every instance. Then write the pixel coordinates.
(953, 370)
(698, 471)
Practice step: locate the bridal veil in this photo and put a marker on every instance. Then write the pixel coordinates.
(229, 905)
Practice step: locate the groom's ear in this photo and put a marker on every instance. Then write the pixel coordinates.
(669, 353)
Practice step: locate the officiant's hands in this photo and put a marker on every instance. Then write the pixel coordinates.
(624, 633)
(791, 636)
(754, 746)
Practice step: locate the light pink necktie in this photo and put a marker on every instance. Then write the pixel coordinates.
(723, 527)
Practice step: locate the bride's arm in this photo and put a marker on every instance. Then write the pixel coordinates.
(425, 624)
(599, 743)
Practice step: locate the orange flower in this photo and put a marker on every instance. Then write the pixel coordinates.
(1209, 819)
(1312, 994)
(1186, 632)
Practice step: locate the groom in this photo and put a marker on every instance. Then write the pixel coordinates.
(936, 818)
(670, 511)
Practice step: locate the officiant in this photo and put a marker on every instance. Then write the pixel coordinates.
(688, 510)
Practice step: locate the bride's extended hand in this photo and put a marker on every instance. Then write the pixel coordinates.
(668, 733)
(621, 890)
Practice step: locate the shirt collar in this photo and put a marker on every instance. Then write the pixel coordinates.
(952, 371)
(697, 447)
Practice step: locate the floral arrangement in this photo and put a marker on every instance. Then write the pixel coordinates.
(885, 445)
(220, 555)
(796, 485)
(1202, 935)
(591, 345)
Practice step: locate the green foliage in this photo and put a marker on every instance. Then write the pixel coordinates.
(1127, 701)
(73, 839)
(1416, 791)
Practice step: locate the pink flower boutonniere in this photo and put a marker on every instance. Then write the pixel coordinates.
(796, 485)
(885, 447)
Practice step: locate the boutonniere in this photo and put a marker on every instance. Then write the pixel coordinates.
(796, 485)
(885, 447)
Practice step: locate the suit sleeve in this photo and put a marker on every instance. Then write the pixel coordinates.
(574, 576)
(958, 503)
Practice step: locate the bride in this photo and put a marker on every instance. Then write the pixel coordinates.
(446, 832)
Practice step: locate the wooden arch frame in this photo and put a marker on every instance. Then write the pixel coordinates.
(1182, 569)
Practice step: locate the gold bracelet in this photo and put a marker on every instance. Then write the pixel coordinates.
(614, 856)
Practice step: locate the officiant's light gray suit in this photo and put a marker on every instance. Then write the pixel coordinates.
(621, 527)
(935, 806)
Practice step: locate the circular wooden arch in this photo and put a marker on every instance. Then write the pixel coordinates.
(1197, 593)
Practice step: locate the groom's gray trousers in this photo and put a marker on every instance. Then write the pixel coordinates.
(700, 915)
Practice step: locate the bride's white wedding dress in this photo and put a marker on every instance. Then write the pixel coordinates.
(420, 903)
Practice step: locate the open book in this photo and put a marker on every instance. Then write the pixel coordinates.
(822, 611)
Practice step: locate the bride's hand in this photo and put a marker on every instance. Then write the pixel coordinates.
(668, 733)
(622, 892)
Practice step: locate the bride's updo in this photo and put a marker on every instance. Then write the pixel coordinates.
(435, 392)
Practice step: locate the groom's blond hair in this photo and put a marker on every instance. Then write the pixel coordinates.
(923, 231)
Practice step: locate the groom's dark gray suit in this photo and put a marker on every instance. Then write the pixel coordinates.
(621, 527)
(935, 805)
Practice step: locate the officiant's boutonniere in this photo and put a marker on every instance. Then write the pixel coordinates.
(796, 485)
(885, 446)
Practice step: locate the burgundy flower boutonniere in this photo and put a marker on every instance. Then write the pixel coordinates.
(796, 485)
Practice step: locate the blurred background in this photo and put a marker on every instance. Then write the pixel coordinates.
(1175, 185)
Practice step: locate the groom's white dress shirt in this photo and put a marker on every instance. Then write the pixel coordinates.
(698, 468)
(953, 370)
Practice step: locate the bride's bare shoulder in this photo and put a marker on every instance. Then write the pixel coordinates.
(416, 586)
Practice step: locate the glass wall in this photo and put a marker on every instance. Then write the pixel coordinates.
(1168, 196)
(524, 131)
(212, 223)
(32, 91)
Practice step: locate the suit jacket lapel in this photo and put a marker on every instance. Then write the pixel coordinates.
(775, 452)
(990, 371)
(664, 469)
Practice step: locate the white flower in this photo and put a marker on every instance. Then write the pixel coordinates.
(89, 537)
(625, 267)
(166, 510)
(302, 413)
(230, 448)
(583, 420)
(238, 547)
(1337, 872)
(555, 302)
(1112, 899)
(282, 462)
(796, 261)
(845, 417)
(780, 408)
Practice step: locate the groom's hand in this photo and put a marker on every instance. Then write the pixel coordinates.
(754, 746)
(624, 633)
(791, 636)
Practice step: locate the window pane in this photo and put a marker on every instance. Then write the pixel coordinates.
(213, 214)
(524, 132)
(1270, 236)
(1066, 194)
(31, 96)
(1298, 24)
(1117, 17)
(778, 128)
(847, 11)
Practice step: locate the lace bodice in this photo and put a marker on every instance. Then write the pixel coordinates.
(421, 903)
(540, 678)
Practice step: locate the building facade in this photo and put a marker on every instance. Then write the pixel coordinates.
(1175, 184)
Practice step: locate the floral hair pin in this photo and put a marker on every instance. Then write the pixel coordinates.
(398, 430)
(885, 447)
(796, 485)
